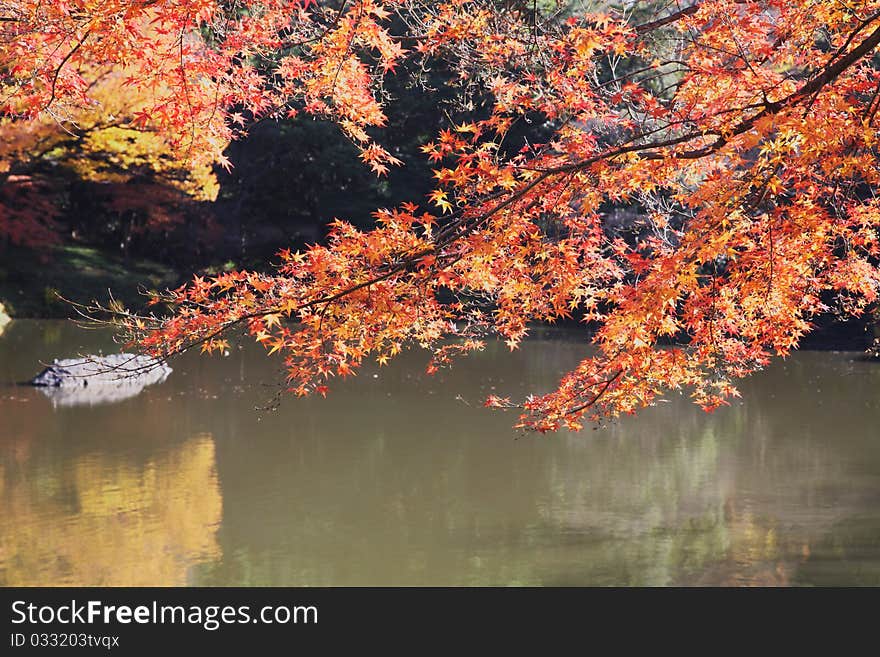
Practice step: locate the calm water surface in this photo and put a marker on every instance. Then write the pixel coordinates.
(392, 480)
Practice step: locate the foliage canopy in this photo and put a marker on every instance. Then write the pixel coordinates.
(742, 131)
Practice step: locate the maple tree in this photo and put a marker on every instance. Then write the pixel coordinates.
(743, 131)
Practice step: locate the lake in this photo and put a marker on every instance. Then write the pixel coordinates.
(398, 478)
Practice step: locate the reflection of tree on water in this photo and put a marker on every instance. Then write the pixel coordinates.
(848, 555)
(391, 480)
(92, 395)
(382, 493)
(105, 522)
(740, 497)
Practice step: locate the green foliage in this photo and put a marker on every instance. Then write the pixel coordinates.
(30, 285)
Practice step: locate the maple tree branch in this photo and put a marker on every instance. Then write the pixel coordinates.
(183, 79)
(644, 28)
(674, 17)
(595, 398)
(852, 35)
(334, 23)
(830, 73)
(871, 109)
(348, 45)
(397, 268)
(834, 69)
(61, 65)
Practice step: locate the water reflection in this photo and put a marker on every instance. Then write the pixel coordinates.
(91, 395)
(394, 481)
(846, 555)
(97, 519)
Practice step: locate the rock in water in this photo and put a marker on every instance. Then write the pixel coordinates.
(93, 380)
(4, 318)
(114, 369)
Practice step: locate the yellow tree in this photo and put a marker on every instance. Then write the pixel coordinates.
(144, 180)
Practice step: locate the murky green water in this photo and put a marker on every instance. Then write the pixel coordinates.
(394, 481)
